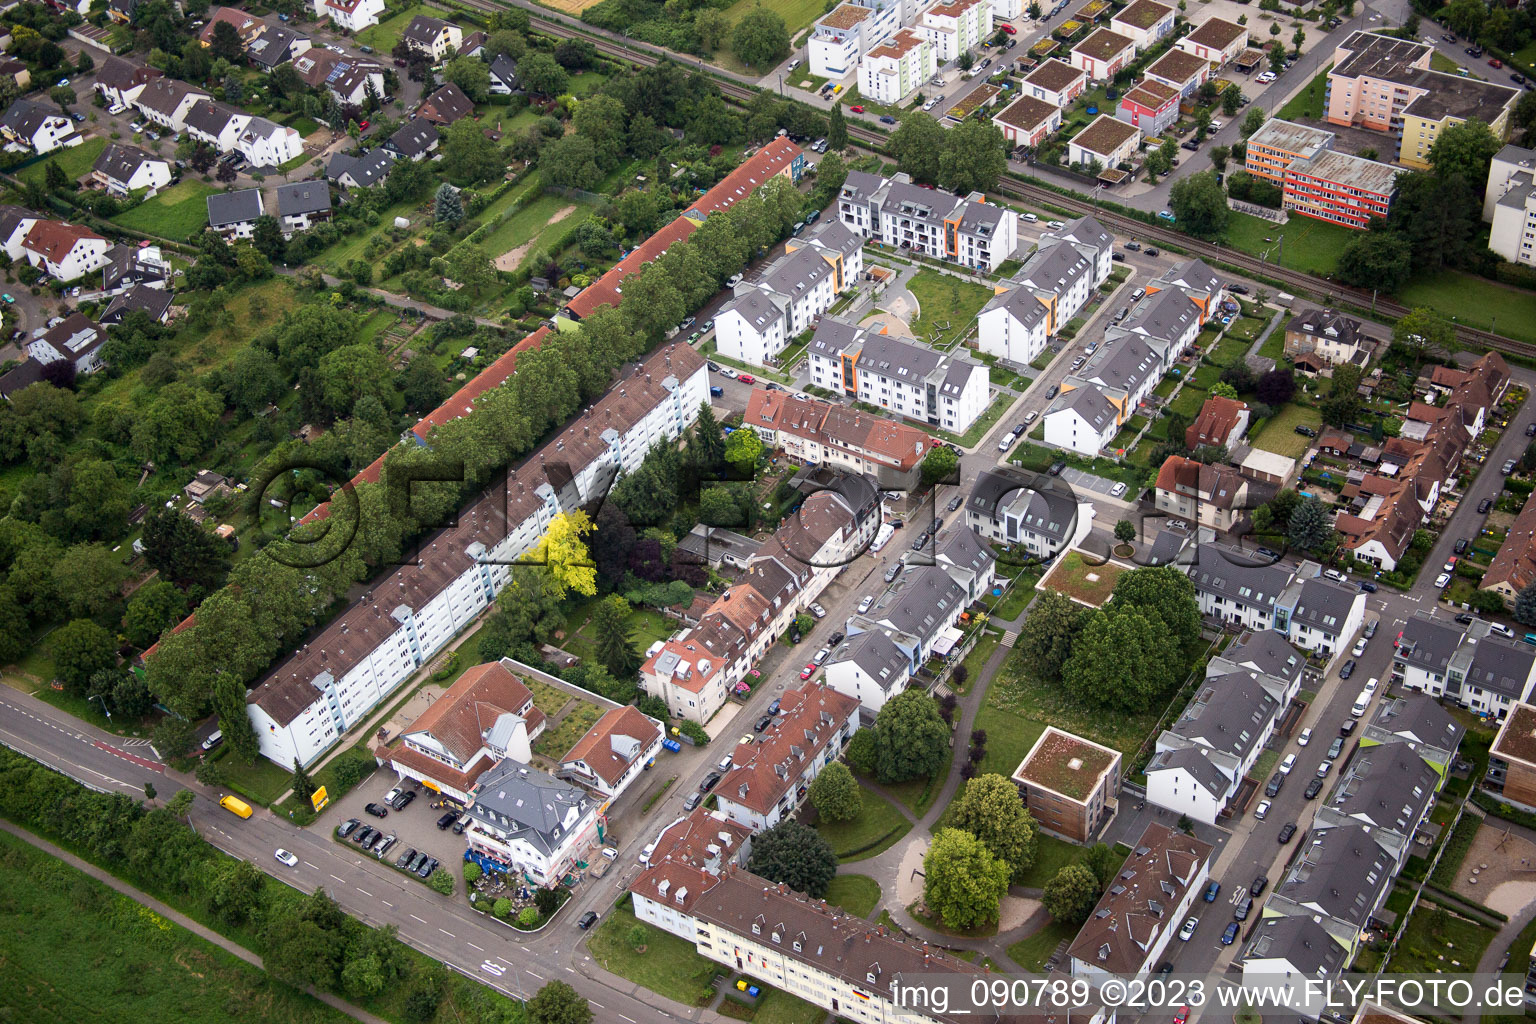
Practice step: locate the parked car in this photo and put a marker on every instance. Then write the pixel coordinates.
(692, 800)
(893, 572)
(1211, 891)
(1262, 811)
(587, 920)
(1243, 908)
(403, 801)
(1348, 669)
(763, 723)
(709, 782)
(1287, 764)
(1117, 490)
(347, 827)
(1304, 738)
(1006, 442)
(865, 604)
(1484, 505)
(406, 857)
(1229, 936)
(214, 739)
(954, 502)
(1053, 391)
(808, 671)
(1314, 787)
(1323, 769)
(1153, 252)
(1509, 467)
(1275, 782)
(1348, 726)
(1442, 581)
(1188, 931)
(1056, 468)
(364, 835)
(887, 119)
(818, 611)
(1287, 832)
(1305, 431)
(1336, 747)
(376, 811)
(447, 820)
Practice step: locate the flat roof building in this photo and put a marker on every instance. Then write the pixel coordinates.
(1069, 784)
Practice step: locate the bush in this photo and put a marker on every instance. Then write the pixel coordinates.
(472, 872)
(528, 917)
(441, 881)
(694, 731)
(502, 908)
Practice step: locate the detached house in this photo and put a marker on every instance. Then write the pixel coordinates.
(120, 81)
(1214, 496)
(447, 105)
(1144, 22)
(234, 214)
(77, 341)
(276, 45)
(504, 80)
(350, 15)
(432, 36)
(1103, 53)
(610, 756)
(1215, 40)
(414, 140)
(351, 171)
(123, 169)
(1222, 423)
(42, 129)
(1056, 82)
(267, 144)
(218, 125)
(302, 205)
(1319, 338)
(63, 250)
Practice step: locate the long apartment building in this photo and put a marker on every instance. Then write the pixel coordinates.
(1386, 85)
(1009, 506)
(1471, 665)
(955, 26)
(898, 213)
(1315, 179)
(911, 380)
(898, 67)
(1049, 290)
(332, 682)
(1308, 610)
(1509, 205)
(768, 778)
(766, 315)
(842, 36)
(812, 431)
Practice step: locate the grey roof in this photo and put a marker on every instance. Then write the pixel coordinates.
(965, 549)
(1192, 760)
(980, 218)
(1089, 403)
(120, 162)
(526, 803)
(368, 169)
(164, 95)
(1087, 231)
(1387, 786)
(899, 360)
(154, 301)
(303, 197)
(918, 203)
(837, 236)
(1123, 364)
(11, 218)
(234, 207)
(1194, 275)
(211, 118)
(926, 600)
(759, 308)
(504, 70)
(1022, 305)
(1324, 606)
(261, 128)
(1329, 323)
(1229, 713)
(273, 46)
(1254, 585)
(875, 653)
(1428, 643)
(424, 29)
(25, 117)
(1501, 666)
(992, 486)
(414, 137)
(956, 376)
(1301, 942)
(1268, 652)
(1342, 872)
(861, 186)
(1163, 316)
(797, 272)
(1418, 718)
(1055, 267)
(1042, 503)
(1167, 548)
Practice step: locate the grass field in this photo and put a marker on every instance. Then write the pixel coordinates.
(76, 950)
(1031, 704)
(539, 221)
(178, 213)
(1051, 855)
(1031, 953)
(1279, 434)
(877, 826)
(1308, 104)
(75, 162)
(947, 306)
(669, 966)
(797, 14)
(1476, 302)
(1433, 937)
(1310, 245)
(856, 894)
(383, 36)
(774, 1006)
(1009, 737)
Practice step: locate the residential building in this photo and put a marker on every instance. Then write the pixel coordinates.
(127, 265)
(1284, 953)
(1108, 141)
(1049, 290)
(1389, 788)
(77, 340)
(955, 26)
(63, 250)
(1210, 494)
(1056, 82)
(349, 170)
(1150, 105)
(1198, 283)
(432, 36)
(399, 623)
(121, 169)
(779, 158)
(1134, 921)
(1222, 422)
(607, 290)
(42, 129)
(485, 717)
(275, 46)
(1471, 665)
(218, 125)
(1385, 84)
(768, 778)
(1514, 566)
(245, 25)
(120, 81)
(122, 11)
(812, 431)
(234, 214)
(843, 35)
(610, 756)
(524, 822)
(818, 953)
(504, 80)
(167, 101)
(1181, 71)
(1508, 205)
(447, 105)
(1169, 317)
(1106, 392)
(868, 668)
(415, 140)
(1278, 144)
(350, 15)
(267, 144)
(895, 211)
(1316, 338)
(1009, 506)
(1069, 784)
(1028, 121)
(1201, 760)
(1512, 758)
(153, 302)
(207, 484)
(302, 205)
(1340, 188)
(968, 560)
(1317, 615)
(347, 78)
(1236, 589)
(1216, 40)
(689, 857)
(903, 377)
(1418, 720)
(917, 614)
(1340, 878)
(473, 45)
(1145, 22)
(838, 518)
(1092, 240)
(1103, 53)
(767, 315)
(897, 67)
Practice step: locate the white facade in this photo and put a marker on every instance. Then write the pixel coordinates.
(228, 135)
(1178, 790)
(1145, 22)
(765, 316)
(52, 133)
(167, 102)
(897, 67)
(955, 26)
(908, 379)
(266, 144)
(1014, 325)
(76, 259)
(843, 35)
(1069, 428)
(1510, 205)
(1111, 141)
(351, 15)
(152, 175)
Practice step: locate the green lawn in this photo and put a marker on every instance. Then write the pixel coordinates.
(856, 894)
(669, 966)
(1009, 737)
(1034, 705)
(1189, 401)
(1279, 434)
(573, 727)
(797, 14)
(774, 1006)
(1031, 953)
(1476, 302)
(75, 162)
(1456, 849)
(78, 950)
(1051, 855)
(878, 825)
(1440, 62)
(537, 223)
(178, 213)
(947, 306)
(383, 36)
(1433, 933)
(262, 782)
(586, 83)
(916, 795)
(1308, 104)
(1310, 245)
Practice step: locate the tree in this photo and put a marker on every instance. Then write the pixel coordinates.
(54, 177)
(563, 553)
(1421, 330)
(1164, 592)
(911, 739)
(989, 808)
(1071, 894)
(760, 38)
(1120, 659)
(1253, 121)
(446, 205)
(349, 373)
(1125, 531)
(918, 144)
(1104, 863)
(80, 649)
(835, 794)
(614, 643)
(974, 158)
(541, 75)
(795, 854)
(227, 43)
(470, 74)
(558, 1003)
(155, 607)
(1275, 388)
(1046, 637)
(706, 444)
(742, 450)
(1465, 149)
(940, 465)
(1310, 526)
(63, 95)
(1297, 38)
(1378, 259)
(1231, 100)
(1525, 606)
(173, 737)
(963, 881)
(468, 155)
(861, 752)
(712, 27)
(303, 785)
(1343, 399)
(1219, 156)
(182, 551)
(1200, 204)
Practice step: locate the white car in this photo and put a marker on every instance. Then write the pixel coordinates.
(610, 853)
(929, 104)
(645, 854)
(1006, 442)
(1359, 647)
(1304, 738)
(821, 655)
(725, 763)
(727, 372)
(1262, 811)
(1030, 417)
(286, 858)
(1442, 581)
(818, 611)
(389, 797)
(865, 604)
(1188, 931)
(1287, 764)
(1370, 684)
(1117, 490)
(1217, 126)
(1322, 769)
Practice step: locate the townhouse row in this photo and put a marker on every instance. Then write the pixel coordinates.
(895, 212)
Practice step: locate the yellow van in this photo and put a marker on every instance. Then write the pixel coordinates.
(234, 805)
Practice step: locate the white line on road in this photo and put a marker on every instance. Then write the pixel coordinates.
(536, 974)
(388, 904)
(471, 945)
(310, 866)
(417, 918)
(597, 1004)
(446, 932)
(630, 1019)
(365, 892)
(338, 878)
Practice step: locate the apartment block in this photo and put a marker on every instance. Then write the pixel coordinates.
(841, 37)
(1470, 665)
(1009, 506)
(1509, 205)
(1278, 144)
(1051, 288)
(955, 26)
(1512, 758)
(897, 68)
(809, 430)
(898, 213)
(1069, 784)
(768, 778)
(1340, 188)
(911, 380)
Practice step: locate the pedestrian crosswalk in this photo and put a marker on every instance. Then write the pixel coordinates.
(1008, 638)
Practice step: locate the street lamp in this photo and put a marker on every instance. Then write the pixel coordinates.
(104, 709)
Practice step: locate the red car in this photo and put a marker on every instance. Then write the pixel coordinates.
(362, 126)
(857, 110)
(1494, 62)
(746, 378)
(808, 671)
(1009, 29)
(1181, 1016)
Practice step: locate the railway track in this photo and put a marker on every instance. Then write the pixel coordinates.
(873, 141)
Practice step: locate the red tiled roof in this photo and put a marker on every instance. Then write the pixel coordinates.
(810, 717)
(459, 717)
(494, 376)
(605, 290)
(53, 240)
(774, 158)
(1218, 416)
(597, 751)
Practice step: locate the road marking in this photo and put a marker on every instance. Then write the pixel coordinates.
(417, 918)
(388, 904)
(310, 866)
(536, 974)
(496, 970)
(630, 1019)
(443, 930)
(597, 1004)
(471, 945)
(342, 880)
(571, 969)
(365, 892)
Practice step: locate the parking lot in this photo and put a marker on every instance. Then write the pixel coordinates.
(415, 827)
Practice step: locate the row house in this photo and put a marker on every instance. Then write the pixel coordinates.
(765, 316)
(1390, 789)
(1103, 54)
(955, 26)
(1418, 720)
(1181, 71)
(911, 380)
(1049, 290)
(1028, 121)
(1236, 591)
(336, 679)
(1027, 511)
(121, 169)
(810, 431)
(1056, 82)
(27, 125)
(1470, 665)
(969, 231)
(916, 613)
(687, 859)
(841, 37)
(1150, 105)
(216, 124)
(898, 67)
(167, 101)
(1311, 612)
(1107, 141)
(1339, 880)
